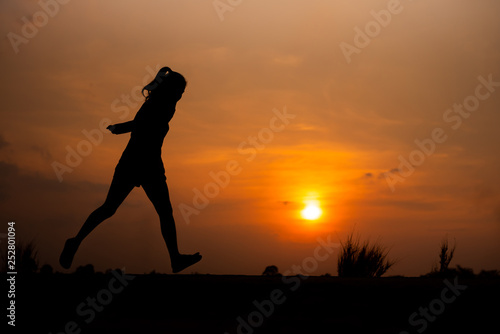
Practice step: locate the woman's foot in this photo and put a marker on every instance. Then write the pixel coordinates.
(183, 261)
(70, 248)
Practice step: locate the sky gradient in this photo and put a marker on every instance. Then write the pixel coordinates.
(352, 119)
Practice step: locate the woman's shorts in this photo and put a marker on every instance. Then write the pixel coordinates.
(138, 175)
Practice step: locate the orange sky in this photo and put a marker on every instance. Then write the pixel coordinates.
(353, 118)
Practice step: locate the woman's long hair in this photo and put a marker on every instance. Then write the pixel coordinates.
(167, 84)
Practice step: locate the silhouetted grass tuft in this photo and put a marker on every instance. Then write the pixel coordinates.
(27, 257)
(358, 259)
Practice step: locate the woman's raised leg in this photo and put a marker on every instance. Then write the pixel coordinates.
(117, 193)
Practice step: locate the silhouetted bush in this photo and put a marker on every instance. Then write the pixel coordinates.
(463, 272)
(271, 271)
(358, 259)
(46, 269)
(109, 271)
(489, 274)
(86, 270)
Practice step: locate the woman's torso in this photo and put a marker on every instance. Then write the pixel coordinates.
(150, 127)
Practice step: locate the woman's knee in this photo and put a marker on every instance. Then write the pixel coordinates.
(108, 209)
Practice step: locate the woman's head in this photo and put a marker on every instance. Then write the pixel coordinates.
(167, 84)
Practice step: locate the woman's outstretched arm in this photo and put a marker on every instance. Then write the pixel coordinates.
(120, 128)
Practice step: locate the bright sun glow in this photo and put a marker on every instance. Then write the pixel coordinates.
(312, 211)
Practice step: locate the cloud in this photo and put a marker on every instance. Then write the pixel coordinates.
(14, 182)
(407, 205)
(3, 142)
(390, 171)
(7, 172)
(43, 152)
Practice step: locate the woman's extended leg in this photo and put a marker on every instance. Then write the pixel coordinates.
(117, 193)
(158, 194)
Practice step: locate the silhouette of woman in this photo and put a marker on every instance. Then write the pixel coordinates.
(141, 165)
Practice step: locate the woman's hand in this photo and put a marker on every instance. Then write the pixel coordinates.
(112, 129)
(118, 129)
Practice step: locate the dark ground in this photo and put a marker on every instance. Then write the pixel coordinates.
(213, 304)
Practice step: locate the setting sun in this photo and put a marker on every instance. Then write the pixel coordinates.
(312, 211)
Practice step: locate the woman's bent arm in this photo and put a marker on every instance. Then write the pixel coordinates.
(120, 128)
